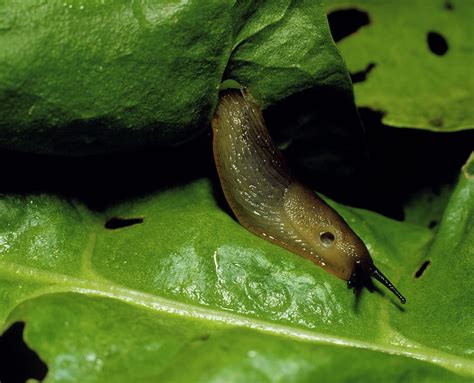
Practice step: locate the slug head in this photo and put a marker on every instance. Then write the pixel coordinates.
(321, 234)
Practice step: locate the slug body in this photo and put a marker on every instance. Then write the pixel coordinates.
(271, 203)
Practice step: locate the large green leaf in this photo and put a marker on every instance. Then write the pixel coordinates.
(288, 55)
(412, 85)
(100, 75)
(188, 294)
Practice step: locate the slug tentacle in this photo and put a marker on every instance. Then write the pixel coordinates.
(272, 204)
(377, 274)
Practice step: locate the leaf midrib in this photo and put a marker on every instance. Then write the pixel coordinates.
(57, 283)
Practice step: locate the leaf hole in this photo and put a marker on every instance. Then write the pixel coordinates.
(201, 338)
(437, 43)
(432, 224)
(448, 5)
(18, 362)
(345, 22)
(437, 122)
(117, 223)
(422, 269)
(362, 75)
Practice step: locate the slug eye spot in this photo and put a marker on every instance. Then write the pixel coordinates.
(327, 238)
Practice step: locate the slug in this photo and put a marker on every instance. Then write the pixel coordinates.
(271, 203)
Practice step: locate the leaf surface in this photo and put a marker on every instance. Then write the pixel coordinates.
(410, 75)
(99, 76)
(190, 284)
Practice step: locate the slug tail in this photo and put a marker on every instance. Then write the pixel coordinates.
(377, 274)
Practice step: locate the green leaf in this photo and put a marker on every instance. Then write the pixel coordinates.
(91, 77)
(412, 85)
(166, 348)
(291, 54)
(188, 294)
(450, 257)
(102, 73)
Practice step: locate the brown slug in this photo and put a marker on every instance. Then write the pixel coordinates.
(273, 204)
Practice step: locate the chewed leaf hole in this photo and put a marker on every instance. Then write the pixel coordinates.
(18, 362)
(362, 75)
(345, 22)
(437, 43)
(202, 338)
(437, 122)
(432, 224)
(448, 5)
(422, 269)
(117, 223)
